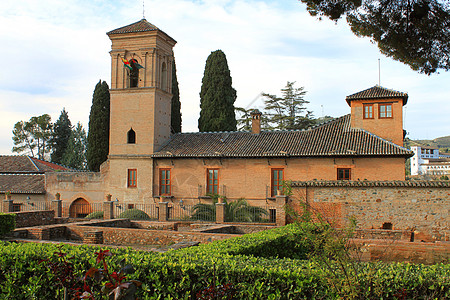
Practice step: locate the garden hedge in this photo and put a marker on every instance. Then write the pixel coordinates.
(241, 262)
(7, 223)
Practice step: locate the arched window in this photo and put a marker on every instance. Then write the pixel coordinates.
(131, 137)
(134, 73)
(163, 76)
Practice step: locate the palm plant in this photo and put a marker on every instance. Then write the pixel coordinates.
(235, 211)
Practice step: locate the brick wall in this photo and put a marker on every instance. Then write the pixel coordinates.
(34, 218)
(419, 207)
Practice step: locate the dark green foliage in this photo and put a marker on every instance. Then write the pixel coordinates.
(98, 135)
(62, 130)
(134, 214)
(217, 96)
(182, 273)
(244, 121)
(414, 32)
(75, 154)
(95, 215)
(175, 121)
(7, 223)
(33, 137)
(287, 112)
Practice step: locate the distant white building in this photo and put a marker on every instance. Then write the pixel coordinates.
(428, 161)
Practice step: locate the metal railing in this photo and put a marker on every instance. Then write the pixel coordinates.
(31, 206)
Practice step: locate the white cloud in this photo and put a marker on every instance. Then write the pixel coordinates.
(56, 51)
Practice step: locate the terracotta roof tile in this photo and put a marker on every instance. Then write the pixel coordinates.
(377, 92)
(139, 26)
(22, 183)
(334, 138)
(366, 183)
(27, 164)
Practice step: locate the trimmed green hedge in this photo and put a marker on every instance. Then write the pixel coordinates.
(134, 214)
(180, 274)
(95, 215)
(7, 223)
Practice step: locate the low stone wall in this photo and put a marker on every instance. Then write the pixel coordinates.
(34, 218)
(132, 236)
(419, 207)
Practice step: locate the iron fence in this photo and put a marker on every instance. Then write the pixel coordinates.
(32, 206)
(152, 209)
(251, 214)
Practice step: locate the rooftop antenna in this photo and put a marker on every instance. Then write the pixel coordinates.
(143, 9)
(379, 73)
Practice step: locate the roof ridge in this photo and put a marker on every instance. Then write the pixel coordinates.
(37, 169)
(384, 140)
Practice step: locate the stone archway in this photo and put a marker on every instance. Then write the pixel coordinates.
(79, 208)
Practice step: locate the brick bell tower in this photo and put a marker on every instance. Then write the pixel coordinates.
(141, 84)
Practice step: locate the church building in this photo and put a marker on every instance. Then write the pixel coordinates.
(147, 163)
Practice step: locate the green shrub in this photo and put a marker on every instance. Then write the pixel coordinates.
(7, 223)
(95, 215)
(134, 214)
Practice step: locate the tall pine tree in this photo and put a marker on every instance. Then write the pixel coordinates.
(98, 135)
(175, 122)
(62, 129)
(217, 96)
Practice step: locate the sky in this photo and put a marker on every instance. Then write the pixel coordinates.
(54, 52)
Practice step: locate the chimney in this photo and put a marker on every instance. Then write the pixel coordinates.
(256, 121)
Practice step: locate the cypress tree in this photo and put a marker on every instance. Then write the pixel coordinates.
(75, 155)
(98, 135)
(175, 122)
(217, 96)
(62, 129)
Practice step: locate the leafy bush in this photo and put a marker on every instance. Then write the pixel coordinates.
(134, 214)
(95, 215)
(7, 223)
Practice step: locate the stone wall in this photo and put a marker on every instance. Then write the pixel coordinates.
(419, 207)
(34, 218)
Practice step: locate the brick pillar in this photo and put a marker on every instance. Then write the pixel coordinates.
(108, 210)
(220, 213)
(281, 213)
(57, 207)
(163, 211)
(8, 205)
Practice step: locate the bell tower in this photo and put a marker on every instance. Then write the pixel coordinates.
(141, 84)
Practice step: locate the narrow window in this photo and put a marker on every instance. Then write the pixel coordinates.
(343, 174)
(163, 76)
(132, 179)
(164, 182)
(134, 73)
(387, 226)
(368, 111)
(212, 182)
(131, 137)
(385, 111)
(276, 182)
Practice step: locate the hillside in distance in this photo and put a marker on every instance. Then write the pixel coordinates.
(443, 143)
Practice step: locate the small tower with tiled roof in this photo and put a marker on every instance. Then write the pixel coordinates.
(380, 111)
(141, 85)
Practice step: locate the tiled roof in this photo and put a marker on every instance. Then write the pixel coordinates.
(22, 183)
(139, 26)
(377, 92)
(334, 138)
(366, 183)
(26, 164)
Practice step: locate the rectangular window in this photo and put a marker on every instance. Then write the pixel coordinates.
(164, 182)
(344, 173)
(212, 181)
(385, 111)
(368, 111)
(276, 182)
(132, 178)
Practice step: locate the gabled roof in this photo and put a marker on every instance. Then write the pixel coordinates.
(139, 26)
(377, 92)
(335, 138)
(22, 183)
(27, 164)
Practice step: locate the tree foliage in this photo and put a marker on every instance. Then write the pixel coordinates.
(414, 32)
(33, 137)
(62, 130)
(287, 112)
(75, 154)
(217, 96)
(175, 122)
(98, 135)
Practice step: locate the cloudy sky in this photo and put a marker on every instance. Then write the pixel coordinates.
(54, 52)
